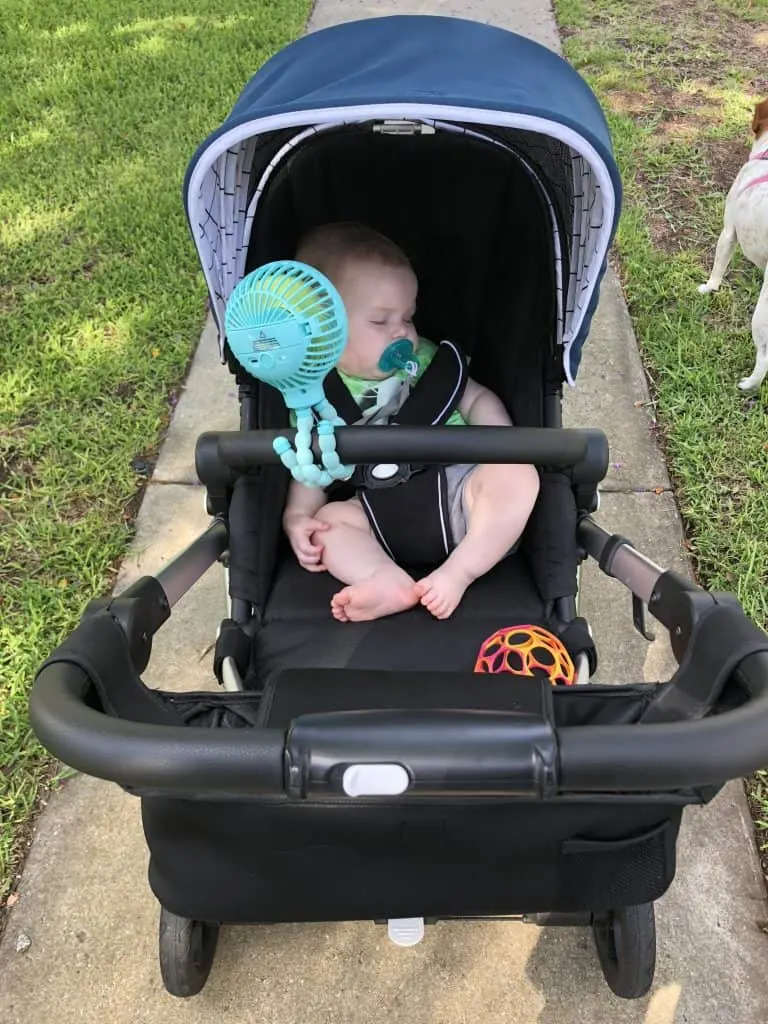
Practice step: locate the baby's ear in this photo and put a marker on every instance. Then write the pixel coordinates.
(760, 119)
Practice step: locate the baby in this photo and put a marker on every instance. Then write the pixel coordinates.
(378, 287)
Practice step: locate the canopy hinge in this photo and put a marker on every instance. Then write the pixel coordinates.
(398, 126)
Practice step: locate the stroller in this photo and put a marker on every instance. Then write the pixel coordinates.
(364, 770)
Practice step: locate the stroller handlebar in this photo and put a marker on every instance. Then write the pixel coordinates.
(219, 456)
(149, 756)
(142, 743)
(442, 753)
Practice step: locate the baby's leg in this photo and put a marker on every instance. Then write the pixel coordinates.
(498, 500)
(352, 554)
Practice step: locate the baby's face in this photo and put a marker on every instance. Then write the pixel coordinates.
(380, 303)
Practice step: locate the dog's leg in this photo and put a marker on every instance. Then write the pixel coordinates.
(760, 337)
(726, 243)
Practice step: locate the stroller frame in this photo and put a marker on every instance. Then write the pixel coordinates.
(559, 806)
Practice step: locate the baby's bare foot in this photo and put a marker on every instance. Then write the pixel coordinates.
(441, 591)
(384, 593)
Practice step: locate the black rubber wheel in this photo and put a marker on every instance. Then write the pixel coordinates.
(626, 946)
(187, 949)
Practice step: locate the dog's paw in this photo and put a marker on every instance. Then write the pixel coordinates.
(703, 289)
(748, 384)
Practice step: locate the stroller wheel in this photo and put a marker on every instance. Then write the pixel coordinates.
(626, 946)
(187, 949)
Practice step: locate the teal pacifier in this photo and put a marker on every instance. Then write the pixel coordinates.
(398, 356)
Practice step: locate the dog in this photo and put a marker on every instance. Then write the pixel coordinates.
(746, 222)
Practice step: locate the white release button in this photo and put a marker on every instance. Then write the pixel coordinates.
(375, 780)
(384, 470)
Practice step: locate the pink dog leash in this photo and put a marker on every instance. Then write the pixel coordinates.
(757, 181)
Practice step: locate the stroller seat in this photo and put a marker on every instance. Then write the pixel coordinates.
(298, 630)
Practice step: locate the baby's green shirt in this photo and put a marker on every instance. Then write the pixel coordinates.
(366, 392)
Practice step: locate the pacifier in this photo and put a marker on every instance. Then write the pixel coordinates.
(398, 356)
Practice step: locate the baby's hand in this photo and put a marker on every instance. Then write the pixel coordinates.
(300, 528)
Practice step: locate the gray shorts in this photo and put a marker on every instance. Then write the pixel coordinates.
(456, 478)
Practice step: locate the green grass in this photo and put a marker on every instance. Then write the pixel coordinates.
(102, 103)
(677, 87)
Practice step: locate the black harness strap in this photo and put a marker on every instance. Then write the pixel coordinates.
(412, 521)
(407, 505)
(337, 393)
(438, 392)
(408, 510)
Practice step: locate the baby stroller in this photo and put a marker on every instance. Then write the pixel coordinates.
(364, 771)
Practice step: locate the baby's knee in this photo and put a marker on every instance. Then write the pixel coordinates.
(332, 513)
(343, 513)
(504, 481)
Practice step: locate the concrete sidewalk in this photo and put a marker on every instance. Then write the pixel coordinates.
(84, 901)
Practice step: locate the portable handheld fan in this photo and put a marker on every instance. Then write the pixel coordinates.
(287, 326)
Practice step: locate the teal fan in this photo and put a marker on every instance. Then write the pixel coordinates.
(287, 326)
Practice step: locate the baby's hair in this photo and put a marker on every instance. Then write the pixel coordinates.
(330, 246)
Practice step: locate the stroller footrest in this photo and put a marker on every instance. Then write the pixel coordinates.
(401, 753)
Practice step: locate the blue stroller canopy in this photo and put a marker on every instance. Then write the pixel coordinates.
(446, 73)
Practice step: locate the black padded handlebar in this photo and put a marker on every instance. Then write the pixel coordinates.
(672, 755)
(137, 755)
(220, 455)
(187, 760)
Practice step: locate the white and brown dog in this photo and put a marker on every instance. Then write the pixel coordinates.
(746, 222)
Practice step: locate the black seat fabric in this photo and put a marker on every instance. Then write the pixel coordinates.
(476, 228)
(298, 630)
(473, 224)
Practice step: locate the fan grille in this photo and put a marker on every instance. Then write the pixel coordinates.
(282, 305)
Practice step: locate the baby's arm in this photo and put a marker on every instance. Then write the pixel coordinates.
(303, 500)
(299, 523)
(481, 408)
